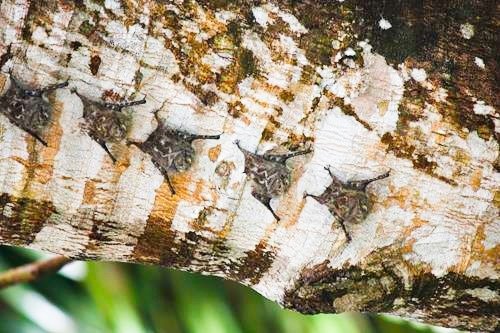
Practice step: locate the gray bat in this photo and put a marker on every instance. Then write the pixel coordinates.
(270, 175)
(27, 108)
(348, 201)
(105, 122)
(171, 149)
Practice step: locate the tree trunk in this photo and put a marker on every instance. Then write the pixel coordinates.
(370, 86)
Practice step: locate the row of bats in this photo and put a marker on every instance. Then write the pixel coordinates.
(171, 150)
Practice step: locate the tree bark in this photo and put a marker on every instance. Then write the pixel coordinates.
(370, 86)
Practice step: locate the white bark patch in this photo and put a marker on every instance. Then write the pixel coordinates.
(157, 88)
(183, 110)
(307, 243)
(377, 99)
(156, 55)
(386, 224)
(69, 236)
(116, 72)
(35, 63)
(328, 81)
(479, 62)
(278, 74)
(440, 95)
(259, 106)
(78, 65)
(78, 159)
(130, 38)
(483, 270)
(467, 30)
(220, 202)
(12, 14)
(384, 24)
(193, 28)
(218, 61)
(225, 16)
(444, 244)
(436, 139)
(226, 177)
(293, 113)
(93, 6)
(481, 150)
(185, 213)
(39, 35)
(114, 5)
(56, 39)
(292, 22)
(492, 232)
(349, 157)
(418, 74)
(484, 294)
(117, 68)
(480, 107)
(442, 241)
(249, 225)
(11, 171)
(252, 42)
(136, 193)
(290, 47)
(261, 16)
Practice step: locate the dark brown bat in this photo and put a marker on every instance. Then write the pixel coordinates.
(348, 201)
(27, 108)
(270, 175)
(171, 149)
(105, 122)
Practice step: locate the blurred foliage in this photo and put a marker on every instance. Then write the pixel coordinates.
(112, 297)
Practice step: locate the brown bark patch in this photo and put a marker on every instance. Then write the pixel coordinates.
(256, 264)
(475, 180)
(22, 218)
(95, 63)
(158, 242)
(213, 153)
(89, 192)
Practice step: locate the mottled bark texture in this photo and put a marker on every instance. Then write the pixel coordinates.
(369, 86)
